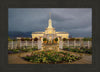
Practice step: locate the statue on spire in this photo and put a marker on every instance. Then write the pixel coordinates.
(50, 15)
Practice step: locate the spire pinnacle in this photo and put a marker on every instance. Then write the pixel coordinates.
(50, 15)
(50, 21)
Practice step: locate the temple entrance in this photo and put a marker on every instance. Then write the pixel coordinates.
(50, 40)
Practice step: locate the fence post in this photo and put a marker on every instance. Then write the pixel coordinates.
(16, 44)
(74, 43)
(32, 43)
(26, 43)
(61, 45)
(68, 43)
(81, 43)
(39, 44)
(88, 44)
(20, 43)
(12, 44)
(42, 47)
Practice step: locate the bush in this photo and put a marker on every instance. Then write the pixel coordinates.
(50, 57)
(10, 51)
(81, 50)
(9, 39)
(87, 39)
(56, 39)
(64, 39)
(35, 39)
(44, 39)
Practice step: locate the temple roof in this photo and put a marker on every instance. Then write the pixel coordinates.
(56, 33)
(37, 32)
(62, 33)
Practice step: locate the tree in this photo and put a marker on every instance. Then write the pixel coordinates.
(72, 39)
(64, 39)
(28, 39)
(56, 39)
(35, 39)
(44, 39)
(9, 39)
(22, 39)
(14, 40)
(87, 39)
(77, 39)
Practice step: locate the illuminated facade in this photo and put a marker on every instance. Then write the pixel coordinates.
(50, 33)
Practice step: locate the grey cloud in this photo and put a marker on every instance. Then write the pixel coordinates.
(71, 20)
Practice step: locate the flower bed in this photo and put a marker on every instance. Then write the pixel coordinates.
(51, 57)
(81, 50)
(11, 51)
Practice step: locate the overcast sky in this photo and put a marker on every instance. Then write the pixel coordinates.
(75, 21)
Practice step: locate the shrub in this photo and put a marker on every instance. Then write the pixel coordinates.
(81, 50)
(44, 39)
(35, 39)
(56, 39)
(50, 57)
(87, 39)
(64, 39)
(9, 39)
(10, 51)
(71, 39)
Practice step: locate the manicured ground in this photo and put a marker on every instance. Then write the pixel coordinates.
(18, 58)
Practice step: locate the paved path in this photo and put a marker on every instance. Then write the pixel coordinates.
(17, 58)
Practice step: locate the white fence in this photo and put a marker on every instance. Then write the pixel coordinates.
(21, 44)
(74, 44)
(31, 44)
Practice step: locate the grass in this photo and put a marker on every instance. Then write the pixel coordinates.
(11, 51)
(79, 50)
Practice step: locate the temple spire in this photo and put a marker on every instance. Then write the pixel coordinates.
(49, 15)
(50, 21)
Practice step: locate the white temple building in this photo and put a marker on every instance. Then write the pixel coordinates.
(50, 33)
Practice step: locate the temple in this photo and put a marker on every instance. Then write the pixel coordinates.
(50, 33)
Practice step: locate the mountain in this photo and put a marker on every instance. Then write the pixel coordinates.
(14, 34)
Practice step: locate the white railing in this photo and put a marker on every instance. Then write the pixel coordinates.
(74, 44)
(31, 44)
(21, 44)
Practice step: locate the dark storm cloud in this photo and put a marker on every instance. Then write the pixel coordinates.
(73, 20)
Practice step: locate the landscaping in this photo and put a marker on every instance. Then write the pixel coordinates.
(11, 51)
(79, 50)
(51, 57)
